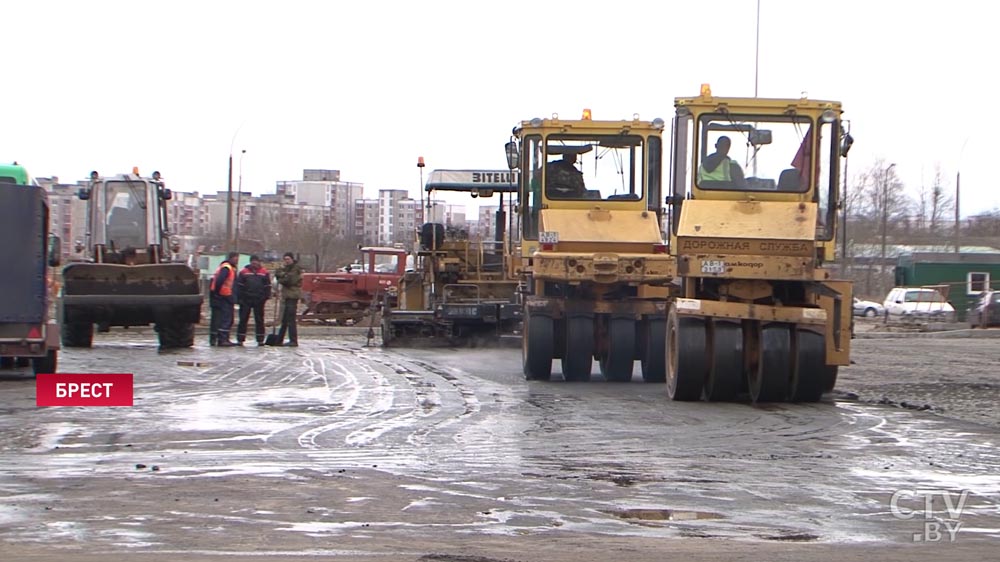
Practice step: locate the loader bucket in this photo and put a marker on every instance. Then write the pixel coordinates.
(130, 295)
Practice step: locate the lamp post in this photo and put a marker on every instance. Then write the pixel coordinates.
(229, 202)
(229, 193)
(958, 184)
(239, 201)
(885, 215)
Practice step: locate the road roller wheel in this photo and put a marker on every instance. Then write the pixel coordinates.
(725, 371)
(769, 381)
(829, 377)
(686, 357)
(578, 357)
(654, 353)
(617, 364)
(809, 375)
(537, 343)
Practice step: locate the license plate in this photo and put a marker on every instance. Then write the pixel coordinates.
(548, 237)
(713, 266)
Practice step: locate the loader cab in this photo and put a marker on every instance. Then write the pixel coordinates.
(751, 149)
(127, 218)
(582, 165)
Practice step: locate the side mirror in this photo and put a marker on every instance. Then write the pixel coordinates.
(166, 194)
(513, 159)
(55, 251)
(83, 193)
(845, 145)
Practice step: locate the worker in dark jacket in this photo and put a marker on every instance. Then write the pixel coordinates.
(289, 277)
(253, 288)
(221, 299)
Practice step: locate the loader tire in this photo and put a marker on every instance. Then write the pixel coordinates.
(78, 334)
(174, 335)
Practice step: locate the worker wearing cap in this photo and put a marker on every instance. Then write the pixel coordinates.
(253, 289)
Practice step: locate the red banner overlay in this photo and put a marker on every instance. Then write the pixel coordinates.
(84, 390)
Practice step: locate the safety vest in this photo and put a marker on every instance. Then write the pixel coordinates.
(720, 173)
(227, 287)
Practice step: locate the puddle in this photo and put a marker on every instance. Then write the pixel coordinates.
(663, 514)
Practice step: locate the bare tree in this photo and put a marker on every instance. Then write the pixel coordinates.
(941, 202)
(311, 236)
(885, 204)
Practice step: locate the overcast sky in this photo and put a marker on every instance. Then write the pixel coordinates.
(367, 87)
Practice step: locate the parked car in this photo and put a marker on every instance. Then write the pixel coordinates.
(869, 309)
(915, 302)
(986, 311)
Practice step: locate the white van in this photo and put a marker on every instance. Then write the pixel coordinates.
(916, 302)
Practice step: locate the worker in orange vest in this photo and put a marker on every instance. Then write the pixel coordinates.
(222, 299)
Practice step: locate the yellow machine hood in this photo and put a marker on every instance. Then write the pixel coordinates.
(775, 220)
(602, 225)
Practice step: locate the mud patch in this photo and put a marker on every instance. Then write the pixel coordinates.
(663, 514)
(790, 537)
(460, 558)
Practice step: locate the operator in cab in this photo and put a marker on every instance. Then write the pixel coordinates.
(563, 180)
(718, 170)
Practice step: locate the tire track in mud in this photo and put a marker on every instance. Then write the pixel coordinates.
(575, 450)
(427, 400)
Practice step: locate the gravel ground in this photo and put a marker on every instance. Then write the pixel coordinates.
(954, 377)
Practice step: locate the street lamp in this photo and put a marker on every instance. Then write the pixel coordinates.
(958, 183)
(229, 193)
(885, 213)
(239, 201)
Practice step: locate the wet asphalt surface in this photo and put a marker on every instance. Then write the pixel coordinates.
(339, 451)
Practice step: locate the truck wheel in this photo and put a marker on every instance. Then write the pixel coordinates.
(175, 335)
(45, 365)
(78, 334)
